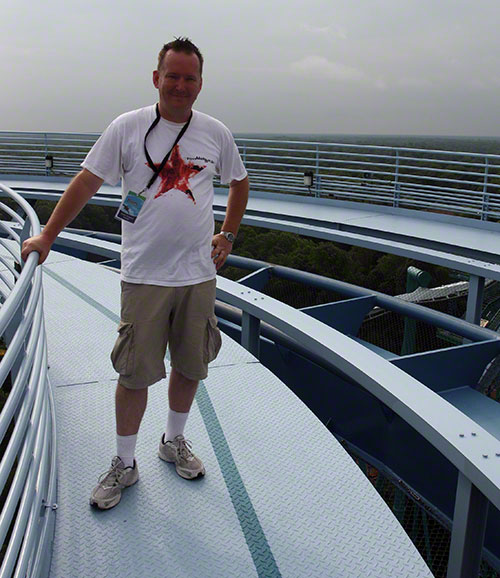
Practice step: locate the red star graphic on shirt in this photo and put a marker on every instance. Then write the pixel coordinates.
(176, 174)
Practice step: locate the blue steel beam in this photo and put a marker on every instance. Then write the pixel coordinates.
(475, 299)
(258, 279)
(407, 397)
(428, 410)
(451, 367)
(479, 407)
(343, 365)
(346, 365)
(472, 264)
(387, 302)
(469, 523)
(462, 364)
(345, 316)
(250, 333)
(474, 333)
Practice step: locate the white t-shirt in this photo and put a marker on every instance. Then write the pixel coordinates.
(170, 242)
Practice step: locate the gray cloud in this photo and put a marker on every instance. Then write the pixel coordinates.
(332, 67)
(321, 67)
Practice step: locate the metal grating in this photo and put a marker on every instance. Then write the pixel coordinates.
(311, 523)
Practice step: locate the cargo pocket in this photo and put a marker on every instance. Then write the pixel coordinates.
(213, 340)
(122, 356)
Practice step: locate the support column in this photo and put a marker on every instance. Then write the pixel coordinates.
(469, 526)
(250, 333)
(475, 299)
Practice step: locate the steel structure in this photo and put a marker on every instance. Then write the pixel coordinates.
(259, 508)
(432, 394)
(467, 245)
(420, 406)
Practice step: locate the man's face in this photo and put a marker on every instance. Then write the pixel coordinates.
(178, 82)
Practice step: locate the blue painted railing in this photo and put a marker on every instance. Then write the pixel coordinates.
(461, 183)
(27, 424)
(476, 456)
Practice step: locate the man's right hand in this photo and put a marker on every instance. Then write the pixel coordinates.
(38, 243)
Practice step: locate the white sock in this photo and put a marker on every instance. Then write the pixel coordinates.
(176, 422)
(125, 449)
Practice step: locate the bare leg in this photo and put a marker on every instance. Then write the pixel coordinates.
(130, 405)
(181, 391)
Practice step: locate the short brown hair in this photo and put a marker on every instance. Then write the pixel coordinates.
(182, 44)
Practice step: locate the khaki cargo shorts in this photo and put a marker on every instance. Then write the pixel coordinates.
(154, 316)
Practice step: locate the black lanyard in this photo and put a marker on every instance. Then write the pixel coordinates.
(151, 165)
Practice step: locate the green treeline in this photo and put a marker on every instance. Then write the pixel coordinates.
(356, 265)
(92, 217)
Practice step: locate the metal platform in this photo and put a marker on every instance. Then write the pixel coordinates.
(281, 496)
(329, 219)
(465, 244)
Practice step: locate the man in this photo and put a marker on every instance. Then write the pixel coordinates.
(166, 156)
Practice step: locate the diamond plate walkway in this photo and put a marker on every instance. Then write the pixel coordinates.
(281, 496)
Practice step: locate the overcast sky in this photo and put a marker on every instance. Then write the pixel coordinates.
(337, 66)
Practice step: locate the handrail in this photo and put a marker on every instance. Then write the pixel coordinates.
(27, 426)
(377, 174)
(420, 407)
(386, 302)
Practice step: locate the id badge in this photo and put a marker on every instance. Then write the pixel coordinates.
(130, 207)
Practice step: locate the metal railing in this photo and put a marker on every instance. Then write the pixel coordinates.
(27, 426)
(460, 183)
(431, 416)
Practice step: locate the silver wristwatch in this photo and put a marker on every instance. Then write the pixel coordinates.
(229, 236)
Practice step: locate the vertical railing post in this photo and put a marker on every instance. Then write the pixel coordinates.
(318, 185)
(486, 199)
(317, 178)
(46, 147)
(469, 526)
(250, 333)
(415, 278)
(475, 299)
(396, 182)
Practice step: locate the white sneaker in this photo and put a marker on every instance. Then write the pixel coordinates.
(110, 484)
(178, 451)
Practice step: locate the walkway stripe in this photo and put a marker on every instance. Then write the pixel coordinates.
(104, 310)
(256, 540)
(257, 543)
